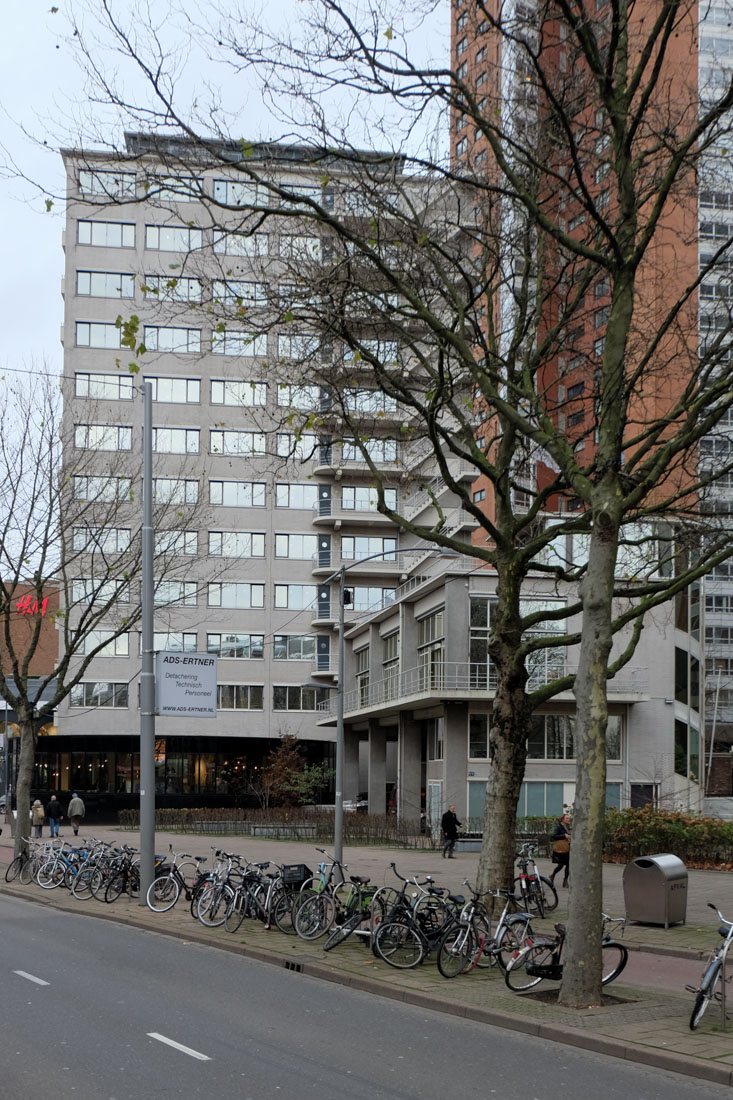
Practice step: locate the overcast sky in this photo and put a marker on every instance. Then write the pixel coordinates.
(41, 89)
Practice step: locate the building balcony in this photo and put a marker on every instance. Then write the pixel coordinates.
(463, 681)
(331, 513)
(391, 565)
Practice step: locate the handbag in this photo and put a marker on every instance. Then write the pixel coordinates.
(561, 846)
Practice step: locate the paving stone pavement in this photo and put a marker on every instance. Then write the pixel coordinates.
(647, 1021)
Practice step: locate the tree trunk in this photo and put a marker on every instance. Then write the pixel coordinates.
(581, 983)
(24, 778)
(509, 730)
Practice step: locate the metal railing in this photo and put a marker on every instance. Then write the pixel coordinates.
(465, 676)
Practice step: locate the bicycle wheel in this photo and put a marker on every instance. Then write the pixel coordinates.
(81, 887)
(338, 935)
(532, 897)
(281, 912)
(116, 885)
(13, 869)
(456, 951)
(483, 953)
(315, 916)
(51, 874)
(399, 945)
(213, 905)
(27, 871)
(516, 976)
(163, 893)
(236, 912)
(516, 935)
(549, 894)
(613, 960)
(432, 914)
(705, 994)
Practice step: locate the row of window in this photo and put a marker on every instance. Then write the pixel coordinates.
(183, 238)
(303, 448)
(246, 394)
(102, 693)
(236, 342)
(229, 494)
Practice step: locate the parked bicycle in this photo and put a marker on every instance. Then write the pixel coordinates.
(411, 929)
(543, 958)
(538, 893)
(180, 874)
(713, 973)
(470, 942)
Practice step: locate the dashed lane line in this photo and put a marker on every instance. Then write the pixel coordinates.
(179, 1046)
(30, 977)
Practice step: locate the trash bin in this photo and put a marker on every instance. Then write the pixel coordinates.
(655, 890)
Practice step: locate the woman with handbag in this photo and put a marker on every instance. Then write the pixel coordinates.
(561, 848)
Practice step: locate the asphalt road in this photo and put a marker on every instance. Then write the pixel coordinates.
(97, 1011)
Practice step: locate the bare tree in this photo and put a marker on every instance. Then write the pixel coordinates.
(70, 553)
(555, 247)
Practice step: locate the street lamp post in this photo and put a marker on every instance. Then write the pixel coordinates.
(338, 819)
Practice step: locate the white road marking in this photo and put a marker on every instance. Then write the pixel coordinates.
(179, 1046)
(30, 977)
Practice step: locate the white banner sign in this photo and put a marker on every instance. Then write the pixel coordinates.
(186, 684)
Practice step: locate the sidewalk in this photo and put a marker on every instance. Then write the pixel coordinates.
(644, 1018)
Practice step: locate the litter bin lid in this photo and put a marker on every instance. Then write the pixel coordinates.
(666, 864)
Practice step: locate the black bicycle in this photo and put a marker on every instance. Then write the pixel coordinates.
(543, 959)
(713, 973)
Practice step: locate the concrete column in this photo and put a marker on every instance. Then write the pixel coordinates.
(455, 756)
(377, 768)
(409, 769)
(351, 765)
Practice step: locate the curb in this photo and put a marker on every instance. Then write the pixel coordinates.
(510, 1021)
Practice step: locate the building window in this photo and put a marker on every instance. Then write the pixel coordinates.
(244, 394)
(359, 498)
(100, 488)
(176, 542)
(172, 238)
(289, 495)
(600, 317)
(294, 647)
(170, 338)
(237, 494)
(391, 664)
(170, 288)
(431, 649)
(461, 46)
(235, 193)
(106, 234)
(237, 544)
(461, 147)
(247, 647)
(239, 292)
(479, 495)
(298, 698)
(236, 594)
(97, 335)
(105, 284)
(300, 547)
(434, 731)
(378, 450)
(236, 443)
(241, 244)
(371, 598)
(233, 342)
(540, 800)
(99, 693)
(295, 597)
(175, 641)
(575, 419)
(369, 402)
(478, 737)
(298, 347)
(176, 441)
(361, 675)
(102, 437)
(112, 185)
(300, 448)
(305, 398)
(170, 490)
(553, 737)
(576, 390)
(104, 387)
(356, 547)
(102, 540)
(111, 646)
(183, 593)
(300, 248)
(239, 697)
(89, 590)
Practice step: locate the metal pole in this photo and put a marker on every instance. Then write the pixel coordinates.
(338, 818)
(147, 674)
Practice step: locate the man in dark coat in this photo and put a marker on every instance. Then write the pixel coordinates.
(54, 813)
(450, 826)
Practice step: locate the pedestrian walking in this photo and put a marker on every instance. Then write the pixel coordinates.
(38, 816)
(450, 825)
(75, 812)
(54, 813)
(561, 848)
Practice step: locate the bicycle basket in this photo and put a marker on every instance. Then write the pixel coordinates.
(295, 874)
